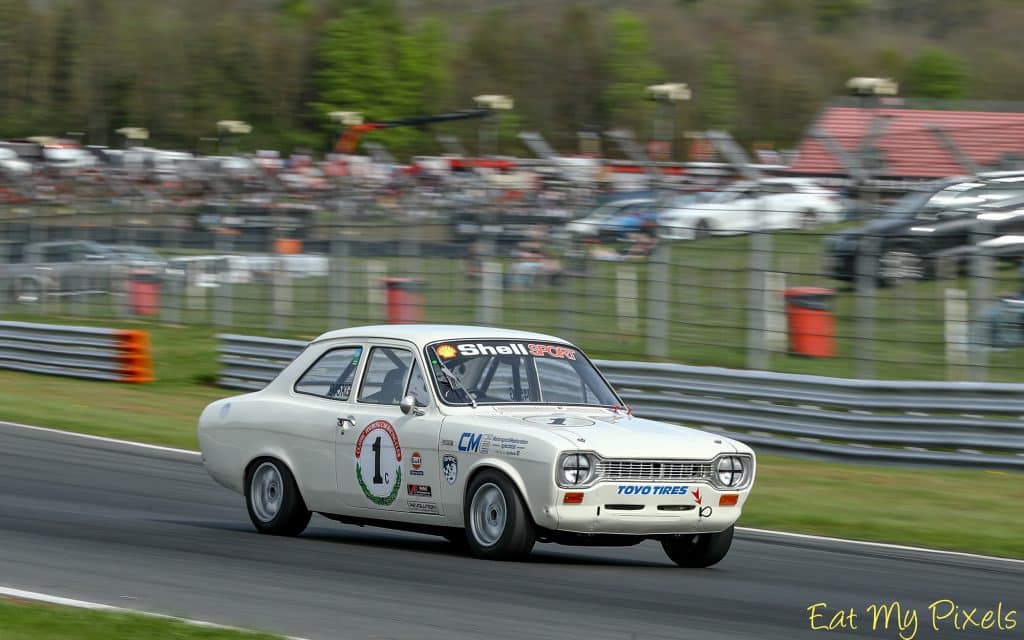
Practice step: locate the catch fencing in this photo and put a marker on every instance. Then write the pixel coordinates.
(120, 355)
(717, 300)
(961, 423)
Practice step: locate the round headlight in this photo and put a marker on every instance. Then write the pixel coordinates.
(730, 471)
(575, 469)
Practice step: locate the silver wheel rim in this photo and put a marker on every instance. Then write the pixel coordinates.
(901, 265)
(266, 492)
(488, 514)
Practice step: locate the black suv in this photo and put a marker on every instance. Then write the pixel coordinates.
(922, 226)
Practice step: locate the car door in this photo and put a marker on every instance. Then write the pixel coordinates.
(387, 461)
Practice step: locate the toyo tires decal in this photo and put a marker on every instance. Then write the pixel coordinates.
(379, 463)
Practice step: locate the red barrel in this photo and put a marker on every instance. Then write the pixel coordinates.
(144, 293)
(405, 299)
(812, 324)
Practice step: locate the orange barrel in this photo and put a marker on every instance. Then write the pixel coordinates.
(404, 299)
(811, 322)
(144, 293)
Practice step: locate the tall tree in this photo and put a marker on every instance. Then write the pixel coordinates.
(936, 73)
(630, 69)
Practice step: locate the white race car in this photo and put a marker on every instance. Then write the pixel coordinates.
(492, 438)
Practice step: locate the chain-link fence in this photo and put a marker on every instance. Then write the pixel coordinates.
(814, 300)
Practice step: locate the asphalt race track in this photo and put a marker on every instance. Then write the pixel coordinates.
(149, 530)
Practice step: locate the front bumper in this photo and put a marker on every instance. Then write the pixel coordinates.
(648, 509)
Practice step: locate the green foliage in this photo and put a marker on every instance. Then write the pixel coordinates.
(719, 104)
(936, 73)
(371, 65)
(630, 69)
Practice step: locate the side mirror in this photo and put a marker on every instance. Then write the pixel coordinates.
(408, 406)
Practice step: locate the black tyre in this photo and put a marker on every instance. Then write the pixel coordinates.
(698, 550)
(498, 526)
(807, 219)
(702, 230)
(273, 499)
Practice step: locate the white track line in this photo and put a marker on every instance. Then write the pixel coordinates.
(878, 545)
(127, 443)
(34, 596)
(769, 532)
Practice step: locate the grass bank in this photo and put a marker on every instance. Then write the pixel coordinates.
(27, 621)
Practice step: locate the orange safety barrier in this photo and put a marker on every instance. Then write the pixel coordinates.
(135, 355)
(287, 246)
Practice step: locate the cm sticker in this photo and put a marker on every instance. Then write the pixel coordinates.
(379, 463)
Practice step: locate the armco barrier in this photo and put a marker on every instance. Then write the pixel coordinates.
(962, 423)
(121, 355)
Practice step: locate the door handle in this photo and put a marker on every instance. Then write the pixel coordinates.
(345, 422)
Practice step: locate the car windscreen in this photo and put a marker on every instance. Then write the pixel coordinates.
(506, 372)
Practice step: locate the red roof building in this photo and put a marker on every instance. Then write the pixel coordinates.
(907, 146)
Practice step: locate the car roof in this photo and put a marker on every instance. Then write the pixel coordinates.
(422, 334)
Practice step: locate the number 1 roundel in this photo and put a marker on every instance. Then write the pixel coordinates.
(379, 463)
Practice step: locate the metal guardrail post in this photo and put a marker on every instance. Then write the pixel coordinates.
(658, 301)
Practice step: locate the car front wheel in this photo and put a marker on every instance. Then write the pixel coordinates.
(275, 505)
(698, 550)
(498, 526)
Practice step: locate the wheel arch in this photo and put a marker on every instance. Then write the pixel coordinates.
(275, 456)
(504, 468)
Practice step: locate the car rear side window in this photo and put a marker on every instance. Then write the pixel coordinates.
(331, 376)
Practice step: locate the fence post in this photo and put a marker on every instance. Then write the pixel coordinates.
(489, 307)
(657, 301)
(626, 299)
(979, 288)
(283, 294)
(865, 309)
(776, 333)
(957, 344)
(376, 271)
(337, 279)
(757, 313)
(222, 302)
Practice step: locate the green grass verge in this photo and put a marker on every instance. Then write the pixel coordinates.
(22, 621)
(967, 510)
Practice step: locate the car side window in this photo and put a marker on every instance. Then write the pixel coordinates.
(418, 387)
(385, 375)
(331, 376)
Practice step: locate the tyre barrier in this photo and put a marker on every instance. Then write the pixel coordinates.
(117, 355)
(880, 421)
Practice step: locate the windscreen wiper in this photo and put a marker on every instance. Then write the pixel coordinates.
(453, 380)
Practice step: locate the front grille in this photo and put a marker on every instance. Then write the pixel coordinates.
(652, 471)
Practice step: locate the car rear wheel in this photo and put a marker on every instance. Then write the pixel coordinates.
(702, 230)
(698, 550)
(273, 499)
(498, 526)
(807, 219)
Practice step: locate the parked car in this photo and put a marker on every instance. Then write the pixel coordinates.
(772, 203)
(66, 267)
(923, 227)
(490, 437)
(591, 225)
